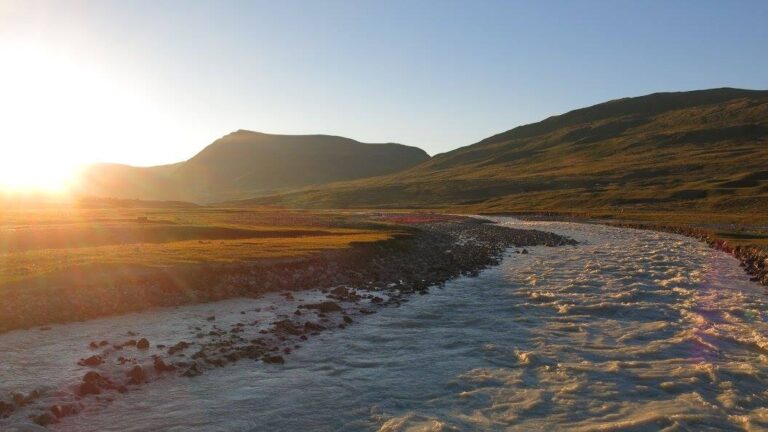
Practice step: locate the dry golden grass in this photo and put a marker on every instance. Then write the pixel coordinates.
(170, 240)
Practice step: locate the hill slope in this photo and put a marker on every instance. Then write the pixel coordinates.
(245, 163)
(699, 150)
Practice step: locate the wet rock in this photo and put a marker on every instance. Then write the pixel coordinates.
(137, 375)
(273, 359)
(524, 252)
(6, 409)
(91, 361)
(347, 319)
(193, 371)
(142, 344)
(312, 327)
(286, 326)
(44, 419)
(161, 366)
(60, 411)
(325, 307)
(88, 388)
(181, 346)
(211, 318)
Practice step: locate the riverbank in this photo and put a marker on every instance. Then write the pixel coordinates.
(420, 253)
(317, 293)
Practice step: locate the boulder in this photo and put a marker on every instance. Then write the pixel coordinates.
(137, 375)
(91, 361)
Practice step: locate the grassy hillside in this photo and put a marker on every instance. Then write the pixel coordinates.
(697, 152)
(244, 164)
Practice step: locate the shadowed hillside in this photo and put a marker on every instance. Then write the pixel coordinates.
(699, 151)
(244, 164)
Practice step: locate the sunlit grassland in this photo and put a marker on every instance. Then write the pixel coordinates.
(37, 243)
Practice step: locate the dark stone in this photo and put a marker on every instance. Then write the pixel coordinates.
(142, 344)
(275, 359)
(181, 346)
(6, 409)
(325, 307)
(137, 375)
(94, 360)
(310, 327)
(88, 388)
(193, 371)
(286, 326)
(44, 419)
(161, 366)
(60, 411)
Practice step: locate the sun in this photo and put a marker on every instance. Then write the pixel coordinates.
(59, 112)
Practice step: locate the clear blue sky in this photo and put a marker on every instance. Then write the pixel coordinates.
(171, 76)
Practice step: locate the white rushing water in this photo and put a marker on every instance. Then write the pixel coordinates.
(629, 330)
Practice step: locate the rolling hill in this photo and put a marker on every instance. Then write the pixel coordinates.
(695, 151)
(245, 164)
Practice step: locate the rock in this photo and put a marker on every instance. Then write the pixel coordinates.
(161, 366)
(93, 345)
(524, 252)
(88, 388)
(93, 377)
(91, 361)
(286, 326)
(211, 318)
(60, 411)
(181, 346)
(311, 327)
(193, 371)
(325, 307)
(347, 319)
(21, 400)
(142, 344)
(44, 419)
(275, 359)
(137, 375)
(6, 409)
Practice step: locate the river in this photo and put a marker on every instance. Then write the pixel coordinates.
(628, 330)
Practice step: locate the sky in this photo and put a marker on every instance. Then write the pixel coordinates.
(153, 82)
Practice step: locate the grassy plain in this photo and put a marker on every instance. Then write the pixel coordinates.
(37, 243)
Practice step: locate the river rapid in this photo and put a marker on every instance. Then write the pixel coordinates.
(628, 330)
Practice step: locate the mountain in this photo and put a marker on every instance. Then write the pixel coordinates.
(697, 150)
(245, 164)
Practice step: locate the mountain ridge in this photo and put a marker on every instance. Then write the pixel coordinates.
(244, 163)
(703, 149)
